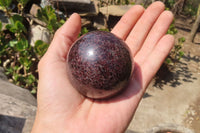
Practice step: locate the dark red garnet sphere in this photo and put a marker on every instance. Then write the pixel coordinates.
(99, 65)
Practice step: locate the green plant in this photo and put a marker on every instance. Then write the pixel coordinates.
(84, 30)
(21, 5)
(172, 29)
(48, 15)
(104, 30)
(16, 26)
(132, 3)
(169, 3)
(114, 2)
(190, 8)
(176, 53)
(1, 40)
(17, 56)
(123, 2)
(40, 48)
(5, 5)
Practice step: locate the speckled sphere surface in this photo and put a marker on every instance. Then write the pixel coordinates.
(99, 65)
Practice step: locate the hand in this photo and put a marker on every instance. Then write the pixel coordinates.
(62, 109)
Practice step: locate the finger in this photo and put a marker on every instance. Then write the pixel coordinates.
(52, 68)
(143, 26)
(158, 30)
(156, 58)
(65, 36)
(128, 20)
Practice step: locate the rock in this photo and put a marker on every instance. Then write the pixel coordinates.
(74, 1)
(85, 7)
(9, 89)
(79, 1)
(100, 21)
(85, 22)
(17, 109)
(16, 116)
(34, 10)
(4, 19)
(112, 21)
(38, 32)
(115, 10)
(45, 3)
(2, 75)
(34, 20)
(171, 128)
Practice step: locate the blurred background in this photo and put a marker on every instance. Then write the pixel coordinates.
(172, 101)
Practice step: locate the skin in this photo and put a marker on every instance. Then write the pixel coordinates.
(61, 109)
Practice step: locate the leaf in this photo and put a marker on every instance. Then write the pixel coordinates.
(8, 26)
(30, 79)
(62, 22)
(20, 27)
(26, 62)
(22, 45)
(50, 27)
(16, 18)
(48, 15)
(84, 30)
(15, 77)
(16, 26)
(104, 30)
(9, 71)
(41, 47)
(181, 53)
(5, 3)
(34, 91)
(168, 61)
(23, 2)
(1, 25)
(12, 43)
(181, 40)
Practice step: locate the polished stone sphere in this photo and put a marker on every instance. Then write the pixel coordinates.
(99, 65)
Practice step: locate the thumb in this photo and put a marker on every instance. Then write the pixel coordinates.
(65, 36)
(52, 69)
(63, 39)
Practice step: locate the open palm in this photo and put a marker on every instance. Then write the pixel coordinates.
(62, 109)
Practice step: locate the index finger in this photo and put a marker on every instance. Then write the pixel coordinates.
(127, 22)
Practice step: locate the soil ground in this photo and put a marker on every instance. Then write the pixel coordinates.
(193, 111)
(175, 97)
